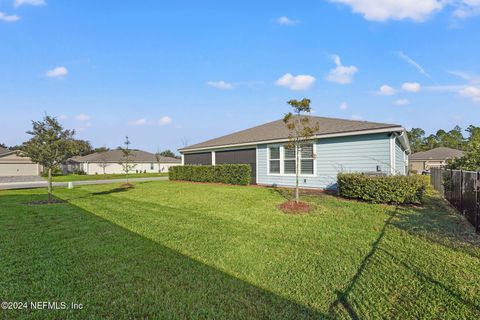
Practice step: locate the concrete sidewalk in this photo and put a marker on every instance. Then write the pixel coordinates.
(43, 184)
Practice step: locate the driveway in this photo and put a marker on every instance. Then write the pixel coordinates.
(18, 179)
(42, 183)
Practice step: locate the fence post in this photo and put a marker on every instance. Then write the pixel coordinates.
(451, 186)
(477, 203)
(461, 192)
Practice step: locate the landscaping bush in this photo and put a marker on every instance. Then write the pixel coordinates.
(57, 171)
(223, 173)
(382, 189)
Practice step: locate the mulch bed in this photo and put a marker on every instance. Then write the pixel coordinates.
(293, 207)
(126, 186)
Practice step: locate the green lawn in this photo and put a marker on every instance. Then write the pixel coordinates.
(76, 177)
(177, 250)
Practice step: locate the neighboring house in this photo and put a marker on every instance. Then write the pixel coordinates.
(13, 164)
(433, 158)
(110, 160)
(338, 146)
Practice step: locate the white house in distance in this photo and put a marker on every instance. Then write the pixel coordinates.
(13, 164)
(108, 162)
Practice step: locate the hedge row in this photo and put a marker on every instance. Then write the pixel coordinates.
(222, 173)
(382, 189)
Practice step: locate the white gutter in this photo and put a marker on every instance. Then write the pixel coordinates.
(403, 138)
(321, 136)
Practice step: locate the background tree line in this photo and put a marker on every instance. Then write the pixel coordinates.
(455, 138)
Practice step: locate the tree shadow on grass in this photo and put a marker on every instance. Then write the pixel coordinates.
(342, 296)
(440, 223)
(114, 190)
(343, 304)
(69, 254)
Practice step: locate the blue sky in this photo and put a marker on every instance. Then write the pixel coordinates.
(164, 72)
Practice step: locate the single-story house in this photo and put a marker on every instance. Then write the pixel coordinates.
(12, 163)
(109, 162)
(433, 158)
(338, 146)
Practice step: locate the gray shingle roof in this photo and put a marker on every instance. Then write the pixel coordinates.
(440, 153)
(116, 156)
(3, 150)
(276, 130)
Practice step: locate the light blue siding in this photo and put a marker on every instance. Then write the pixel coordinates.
(361, 153)
(399, 158)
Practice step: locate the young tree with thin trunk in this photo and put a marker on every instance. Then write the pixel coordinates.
(103, 161)
(301, 133)
(158, 157)
(50, 146)
(127, 166)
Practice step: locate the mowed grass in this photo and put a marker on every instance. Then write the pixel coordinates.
(178, 250)
(77, 177)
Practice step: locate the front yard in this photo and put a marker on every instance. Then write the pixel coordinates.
(180, 250)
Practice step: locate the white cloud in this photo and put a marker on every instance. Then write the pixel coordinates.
(18, 3)
(341, 74)
(413, 63)
(467, 8)
(416, 10)
(82, 117)
(386, 90)
(471, 92)
(411, 86)
(8, 18)
(138, 122)
(402, 102)
(382, 10)
(343, 106)
(445, 88)
(300, 82)
(469, 77)
(57, 72)
(63, 117)
(166, 120)
(220, 85)
(286, 21)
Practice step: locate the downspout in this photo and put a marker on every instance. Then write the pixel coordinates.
(392, 153)
(403, 138)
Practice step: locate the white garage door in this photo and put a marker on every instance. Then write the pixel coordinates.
(18, 169)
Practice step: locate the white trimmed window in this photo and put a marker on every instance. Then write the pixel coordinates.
(282, 160)
(274, 160)
(289, 160)
(306, 159)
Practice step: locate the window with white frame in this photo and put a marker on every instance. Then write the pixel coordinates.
(282, 160)
(289, 160)
(274, 161)
(306, 159)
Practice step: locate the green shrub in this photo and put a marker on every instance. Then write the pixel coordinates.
(223, 173)
(56, 171)
(382, 189)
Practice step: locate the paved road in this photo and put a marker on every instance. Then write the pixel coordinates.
(43, 184)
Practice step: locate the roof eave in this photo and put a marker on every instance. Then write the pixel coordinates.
(398, 129)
